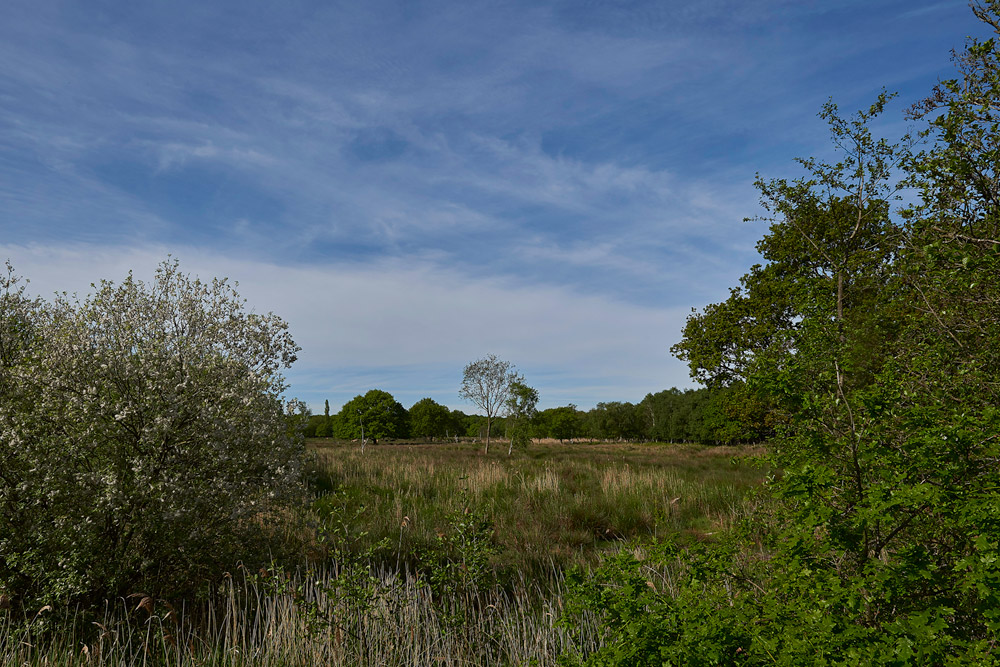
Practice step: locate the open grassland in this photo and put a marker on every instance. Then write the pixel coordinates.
(425, 554)
(548, 508)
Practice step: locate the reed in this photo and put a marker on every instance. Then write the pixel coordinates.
(307, 620)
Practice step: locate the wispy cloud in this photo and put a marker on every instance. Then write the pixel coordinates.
(418, 183)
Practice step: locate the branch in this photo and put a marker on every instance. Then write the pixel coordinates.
(963, 237)
(937, 317)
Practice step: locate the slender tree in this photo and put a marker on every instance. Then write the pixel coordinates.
(521, 411)
(486, 383)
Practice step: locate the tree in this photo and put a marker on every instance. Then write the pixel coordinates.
(430, 419)
(324, 425)
(563, 423)
(520, 408)
(375, 415)
(459, 424)
(614, 419)
(811, 330)
(877, 340)
(143, 436)
(486, 383)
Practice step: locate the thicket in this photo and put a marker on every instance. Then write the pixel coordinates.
(144, 445)
(871, 330)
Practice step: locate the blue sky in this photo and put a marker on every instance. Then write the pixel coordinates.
(414, 185)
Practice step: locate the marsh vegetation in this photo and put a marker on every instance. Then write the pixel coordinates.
(421, 554)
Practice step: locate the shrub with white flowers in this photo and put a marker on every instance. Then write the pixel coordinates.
(143, 437)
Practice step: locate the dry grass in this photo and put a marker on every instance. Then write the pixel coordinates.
(553, 505)
(306, 623)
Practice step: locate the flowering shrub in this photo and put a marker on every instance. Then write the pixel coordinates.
(143, 440)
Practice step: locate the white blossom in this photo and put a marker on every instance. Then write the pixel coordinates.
(140, 418)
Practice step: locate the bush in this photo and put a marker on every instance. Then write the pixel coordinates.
(718, 604)
(143, 438)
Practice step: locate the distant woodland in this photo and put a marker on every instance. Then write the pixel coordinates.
(709, 416)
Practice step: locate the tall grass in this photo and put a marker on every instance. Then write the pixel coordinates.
(552, 506)
(304, 621)
(433, 555)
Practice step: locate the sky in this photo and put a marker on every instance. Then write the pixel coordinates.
(414, 185)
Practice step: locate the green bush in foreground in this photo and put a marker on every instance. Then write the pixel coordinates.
(143, 440)
(712, 606)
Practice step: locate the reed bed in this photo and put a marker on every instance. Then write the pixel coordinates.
(309, 621)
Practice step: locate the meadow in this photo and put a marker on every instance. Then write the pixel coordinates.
(423, 554)
(548, 508)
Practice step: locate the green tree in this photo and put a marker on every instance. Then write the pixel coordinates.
(812, 329)
(563, 423)
(324, 424)
(614, 420)
(430, 419)
(372, 416)
(521, 409)
(143, 437)
(459, 424)
(877, 340)
(312, 425)
(486, 383)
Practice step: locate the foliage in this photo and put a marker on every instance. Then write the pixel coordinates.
(326, 603)
(324, 427)
(722, 414)
(711, 605)
(430, 419)
(486, 383)
(614, 420)
(564, 423)
(875, 341)
(521, 411)
(143, 437)
(373, 416)
(458, 564)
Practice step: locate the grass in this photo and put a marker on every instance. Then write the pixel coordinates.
(430, 554)
(551, 507)
(304, 621)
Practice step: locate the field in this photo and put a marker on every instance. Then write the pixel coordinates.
(550, 507)
(425, 554)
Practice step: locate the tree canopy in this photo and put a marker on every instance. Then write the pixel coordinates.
(430, 419)
(870, 335)
(374, 415)
(521, 410)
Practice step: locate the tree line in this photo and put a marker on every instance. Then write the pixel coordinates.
(722, 415)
